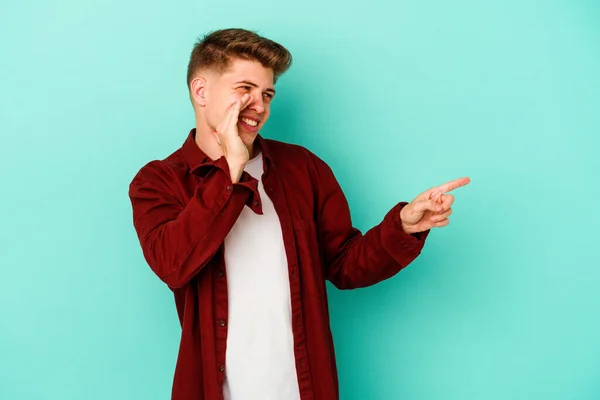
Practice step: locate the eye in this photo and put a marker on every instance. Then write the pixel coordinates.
(245, 88)
(268, 96)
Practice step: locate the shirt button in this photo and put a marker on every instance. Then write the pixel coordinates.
(229, 188)
(222, 368)
(221, 322)
(256, 204)
(221, 274)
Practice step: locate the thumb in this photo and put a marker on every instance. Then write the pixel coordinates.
(425, 205)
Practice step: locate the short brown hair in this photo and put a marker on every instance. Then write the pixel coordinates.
(216, 50)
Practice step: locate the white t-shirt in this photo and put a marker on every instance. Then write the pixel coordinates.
(259, 362)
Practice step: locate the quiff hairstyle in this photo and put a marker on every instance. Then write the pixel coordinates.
(216, 50)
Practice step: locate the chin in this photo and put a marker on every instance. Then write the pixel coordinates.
(248, 137)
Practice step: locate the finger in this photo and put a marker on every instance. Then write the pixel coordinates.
(239, 106)
(230, 109)
(235, 112)
(429, 194)
(441, 217)
(226, 121)
(435, 195)
(231, 119)
(446, 200)
(455, 184)
(246, 100)
(442, 223)
(431, 205)
(235, 103)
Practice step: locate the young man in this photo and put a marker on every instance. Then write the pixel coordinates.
(246, 231)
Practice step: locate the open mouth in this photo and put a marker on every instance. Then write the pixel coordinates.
(249, 121)
(249, 124)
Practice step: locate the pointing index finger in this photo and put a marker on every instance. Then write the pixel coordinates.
(455, 184)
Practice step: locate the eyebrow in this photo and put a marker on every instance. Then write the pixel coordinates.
(255, 85)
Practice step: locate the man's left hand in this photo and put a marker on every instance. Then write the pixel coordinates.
(431, 208)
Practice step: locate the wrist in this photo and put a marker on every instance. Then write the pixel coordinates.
(236, 168)
(407, 228)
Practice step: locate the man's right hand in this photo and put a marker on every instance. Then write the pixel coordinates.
(234, 149)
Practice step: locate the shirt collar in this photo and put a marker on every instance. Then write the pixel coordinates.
(196, 158)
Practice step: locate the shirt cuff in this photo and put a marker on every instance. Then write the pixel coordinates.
(246, 182)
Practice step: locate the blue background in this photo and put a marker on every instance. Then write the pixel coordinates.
(397, 97)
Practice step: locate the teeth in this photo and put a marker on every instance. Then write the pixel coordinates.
(250, 122)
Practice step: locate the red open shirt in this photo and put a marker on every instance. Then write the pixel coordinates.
(185, 205)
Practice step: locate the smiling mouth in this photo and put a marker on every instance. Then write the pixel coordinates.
(248, 121)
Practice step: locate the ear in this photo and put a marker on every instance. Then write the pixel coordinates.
(198, 91)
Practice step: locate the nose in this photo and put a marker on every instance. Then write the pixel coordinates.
(257, 104)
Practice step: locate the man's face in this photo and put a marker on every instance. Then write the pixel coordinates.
(241, 77)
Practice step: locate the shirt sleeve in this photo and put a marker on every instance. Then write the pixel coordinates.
(178, 239)
(354, 260)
